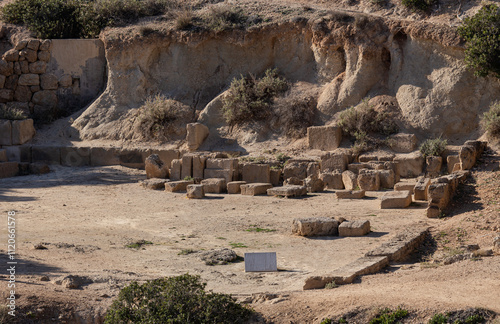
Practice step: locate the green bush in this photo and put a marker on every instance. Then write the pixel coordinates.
(78, 18)
(422, 5)
(388, 316)
(482, 35)
(47, 18)
(249, 99)
(433, 147)
(490, 121)
(438, 319)
(180, 299)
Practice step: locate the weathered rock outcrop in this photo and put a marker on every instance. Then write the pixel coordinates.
(349, 55)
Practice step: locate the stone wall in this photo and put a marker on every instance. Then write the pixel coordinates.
(50, 78)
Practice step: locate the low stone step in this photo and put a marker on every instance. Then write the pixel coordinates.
(401, 245)
(254, 189)
(348, 273)
(288, 191)
(396, 199)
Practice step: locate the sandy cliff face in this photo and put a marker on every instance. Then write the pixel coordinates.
(350, 56)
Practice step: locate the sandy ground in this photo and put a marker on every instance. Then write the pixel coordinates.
(85, 217)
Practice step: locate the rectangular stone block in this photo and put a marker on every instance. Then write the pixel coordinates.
(199, 162)
(218, 173)
(387, 179)
(177, 186)
(166, 155)
(253, 173)
(421, 188)
(8, 169)
(5, 132)
(369, 180)
(154, 184)
(3, 155)
(275, 176)
(22, 131)
(133, 158)
(405, 185)
(214, 185)
(451, 160)
(261, 262)
(288, 191)
(187, 166)
(350, 194)
(102, 156)
(334, 161)
(227, 164)
(410, 165)
(75, 156)
(296, 169)
(175, 169)
(354, 228)
(396, 199)
(315, 226)
(254, 189)
(195, 191)
(18, 153)
(46, 154)
(234, 187)
(325, 138)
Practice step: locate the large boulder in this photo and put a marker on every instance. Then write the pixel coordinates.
(155, 168)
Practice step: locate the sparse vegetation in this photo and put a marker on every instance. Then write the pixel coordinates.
(433, 147)
(138, 244)
(294, 113)
(158, 115)
(249, 99)
(180, 299)
(481, 33)
(331, 285)
(490, 121)
(364, 123)
(186, 252)
(388, 316)
(469, 316)
(255, 228)
(225, 17)
(78, 18)
(11, 113)
(237, 245)
(188, 178)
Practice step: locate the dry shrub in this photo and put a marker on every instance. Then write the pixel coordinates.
(163, 119)
(225, 17)
(11, 113)
(184, 19)
(366, 125)
(250, 99)
(490, 121)
(295, 112)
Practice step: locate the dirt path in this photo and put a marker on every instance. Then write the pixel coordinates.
(85, 218)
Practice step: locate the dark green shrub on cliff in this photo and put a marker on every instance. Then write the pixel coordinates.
(78, 18)
(482, 35)
(47, 18)
(180, 299)
(250, 99)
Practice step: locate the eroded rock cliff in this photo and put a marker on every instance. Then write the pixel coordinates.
(349, 56)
